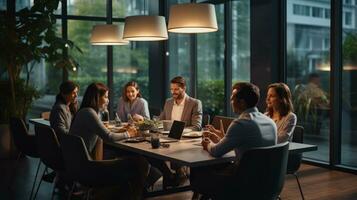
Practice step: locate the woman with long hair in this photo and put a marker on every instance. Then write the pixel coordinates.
(88, 125)
(64, 108)
(131, 102)
(280, 110)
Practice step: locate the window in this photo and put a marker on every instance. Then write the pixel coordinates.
(123, 8)
(180, 58)
(317, 12)
(327, 13)
(85, 8)
(302, 40)
(210, 67)
(240, 41)
(348, 18)
(179, 55)
(349, 94)
(93, 65)
(3, 5)
(307, 58)
(348, 2)
(301, 10)
(131, 62)
(46, 79)
(20, 4)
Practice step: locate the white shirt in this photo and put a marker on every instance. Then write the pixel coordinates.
(177, 109)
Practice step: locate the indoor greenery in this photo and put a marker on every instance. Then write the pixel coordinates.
(28, 37)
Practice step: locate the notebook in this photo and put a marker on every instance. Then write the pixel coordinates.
(175, 132)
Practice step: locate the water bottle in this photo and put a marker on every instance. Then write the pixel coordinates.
(130, 119)
(117, 119)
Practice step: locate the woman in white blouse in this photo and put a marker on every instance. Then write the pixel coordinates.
(280, 109)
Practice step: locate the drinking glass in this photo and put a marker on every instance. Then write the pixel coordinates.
(155, 140)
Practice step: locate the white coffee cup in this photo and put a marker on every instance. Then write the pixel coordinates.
(167, 124)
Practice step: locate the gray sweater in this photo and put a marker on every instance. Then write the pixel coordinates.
(139, 106)
(87, 125)
(60, 118)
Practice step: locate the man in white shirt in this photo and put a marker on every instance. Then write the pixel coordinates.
(182, 107)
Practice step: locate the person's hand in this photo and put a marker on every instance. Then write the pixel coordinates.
(205, 142)
(132, 132)
(214, 138)
(214, 130)
(138, 118)
(205, 134)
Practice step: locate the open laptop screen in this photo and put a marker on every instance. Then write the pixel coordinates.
(176, 129)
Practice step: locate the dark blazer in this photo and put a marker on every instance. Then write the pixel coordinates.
(192, 112)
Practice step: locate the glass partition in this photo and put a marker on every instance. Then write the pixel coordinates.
(308, 70)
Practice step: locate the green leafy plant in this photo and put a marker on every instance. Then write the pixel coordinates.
(26, 39)
(147, 124)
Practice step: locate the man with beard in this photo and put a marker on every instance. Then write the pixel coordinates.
(182, 107)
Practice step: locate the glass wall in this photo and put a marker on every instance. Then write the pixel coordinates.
(349, 85)
(240, 41)
(92, 62)
(46, 78)
(87, 8)
(131, 63)
(179, 54)
(123, 8)
(210, 67)
(308, 70)
(3, 5)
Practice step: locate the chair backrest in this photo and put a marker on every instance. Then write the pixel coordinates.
(295, 159)
(226, 122)
(23, 141)
(75, 155)
(49, 148)
(46, 115)
(260, 173)
(298, 134)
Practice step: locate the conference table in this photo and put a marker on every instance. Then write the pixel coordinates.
(186, 152)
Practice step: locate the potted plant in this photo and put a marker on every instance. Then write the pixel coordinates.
(147, 125)
(27, 38)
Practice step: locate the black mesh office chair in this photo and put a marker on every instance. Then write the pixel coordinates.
(93, 174)
(49, 150)
(26, 143)
(260, 175)
(294, 160)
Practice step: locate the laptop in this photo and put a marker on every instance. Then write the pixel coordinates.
(175, 132)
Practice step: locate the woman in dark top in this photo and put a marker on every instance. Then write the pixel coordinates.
(61, 116)
(64, 108)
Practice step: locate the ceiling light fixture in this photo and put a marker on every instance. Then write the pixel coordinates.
(145, 28)
(107, 34)
(192, 18)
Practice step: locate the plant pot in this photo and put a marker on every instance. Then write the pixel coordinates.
(144, 133)
(7, 147)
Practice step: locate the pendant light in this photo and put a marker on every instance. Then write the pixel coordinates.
(107, 34)
(145, 28)
(192, 18)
